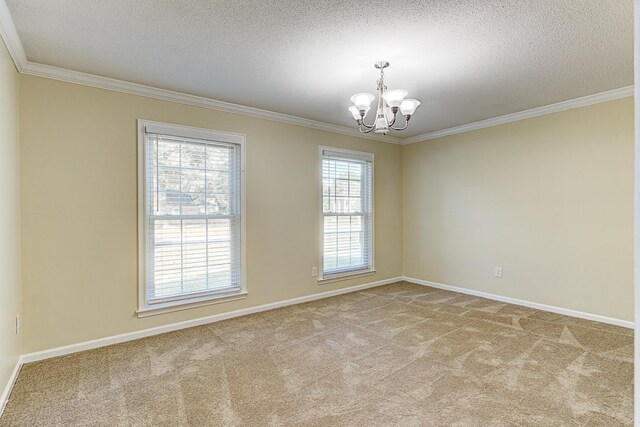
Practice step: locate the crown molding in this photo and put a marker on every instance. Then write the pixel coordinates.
(14, 45)
(11, 39)
(100, 82)
(584, 101)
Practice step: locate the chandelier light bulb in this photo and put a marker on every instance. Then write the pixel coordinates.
(408, 106)
(362, 101)
(389, 102)
(394, 97)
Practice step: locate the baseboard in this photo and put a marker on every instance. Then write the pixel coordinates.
(551, 308)
(7, 390)
(115, 339)
(102, 342)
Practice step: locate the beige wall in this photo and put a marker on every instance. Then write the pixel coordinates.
(79, 209)
(549, 199)
(9, 216)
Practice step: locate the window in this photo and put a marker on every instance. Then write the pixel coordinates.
(190, 217)
(347, 213)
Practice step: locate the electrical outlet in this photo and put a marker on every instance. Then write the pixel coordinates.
(498, 271)
(18, 324)
(314, 271)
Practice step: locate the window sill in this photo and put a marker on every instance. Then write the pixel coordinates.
(345, 276)
(184, 305)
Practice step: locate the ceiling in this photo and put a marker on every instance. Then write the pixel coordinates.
(466, 60)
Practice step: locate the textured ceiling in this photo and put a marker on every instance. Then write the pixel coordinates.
(466, 60)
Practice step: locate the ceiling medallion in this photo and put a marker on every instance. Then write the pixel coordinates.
(389, 102)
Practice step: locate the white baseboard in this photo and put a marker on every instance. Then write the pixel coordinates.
(7, 390)
(551, 308)
(115, 339)
(130, 336)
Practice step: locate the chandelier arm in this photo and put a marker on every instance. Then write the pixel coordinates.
(406, 125)
(363, 127)
(402, 128)
(392, 121)
(366, 126)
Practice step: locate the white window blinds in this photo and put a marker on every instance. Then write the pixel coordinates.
(192, 217)
(347, 206)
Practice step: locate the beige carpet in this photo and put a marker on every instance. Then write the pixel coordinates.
(401, 354)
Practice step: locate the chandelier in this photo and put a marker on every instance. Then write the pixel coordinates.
(389, 102)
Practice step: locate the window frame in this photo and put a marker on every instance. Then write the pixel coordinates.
(328, 278)
(144, 308)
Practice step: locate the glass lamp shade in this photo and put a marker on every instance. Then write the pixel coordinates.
(394, 97)
(408, 106)
(362, 101)
(356, 113)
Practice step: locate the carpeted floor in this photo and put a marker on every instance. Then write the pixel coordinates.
(401, 354)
